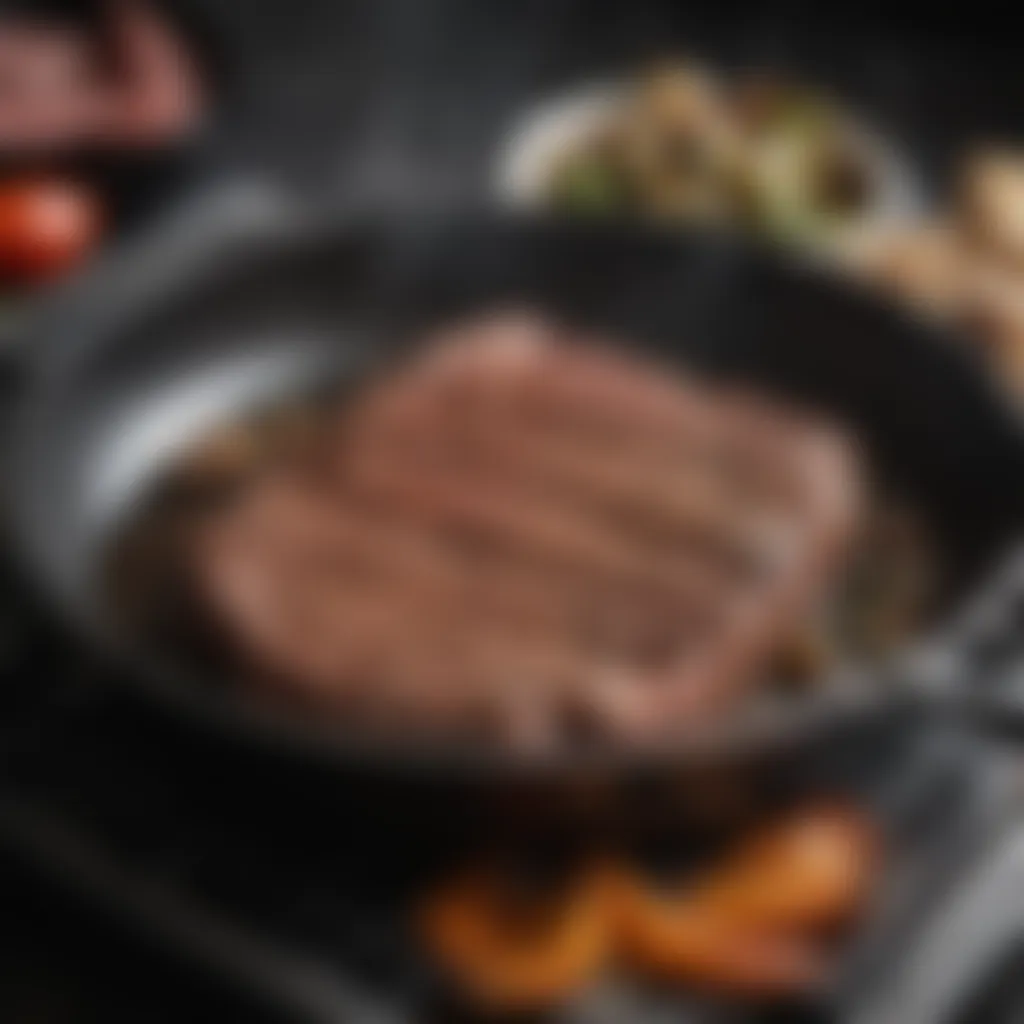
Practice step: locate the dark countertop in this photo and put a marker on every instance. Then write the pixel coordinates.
(65, 963)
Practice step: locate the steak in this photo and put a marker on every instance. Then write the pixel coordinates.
(529, 537)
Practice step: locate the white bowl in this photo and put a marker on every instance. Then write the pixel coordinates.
(549, 130)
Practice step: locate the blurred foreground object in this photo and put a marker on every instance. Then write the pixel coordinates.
(47, 226)
(130, 84)
(920, 263)
(155, 93)
(964, 266)
(753, 923)
(757, 923)
(46, 83)
(992, 203)
(510, 946)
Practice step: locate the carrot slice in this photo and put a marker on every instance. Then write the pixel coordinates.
(510, 952)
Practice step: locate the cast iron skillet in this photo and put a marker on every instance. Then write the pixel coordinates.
(190, 331)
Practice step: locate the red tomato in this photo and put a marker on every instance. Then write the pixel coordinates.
(47, 225)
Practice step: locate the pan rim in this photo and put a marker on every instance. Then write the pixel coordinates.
(856, 698)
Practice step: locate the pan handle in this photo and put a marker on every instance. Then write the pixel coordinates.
(974, 668)
(964, 940)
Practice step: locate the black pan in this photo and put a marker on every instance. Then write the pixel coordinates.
(184, 334)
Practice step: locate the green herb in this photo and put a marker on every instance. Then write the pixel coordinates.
(589, 186)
